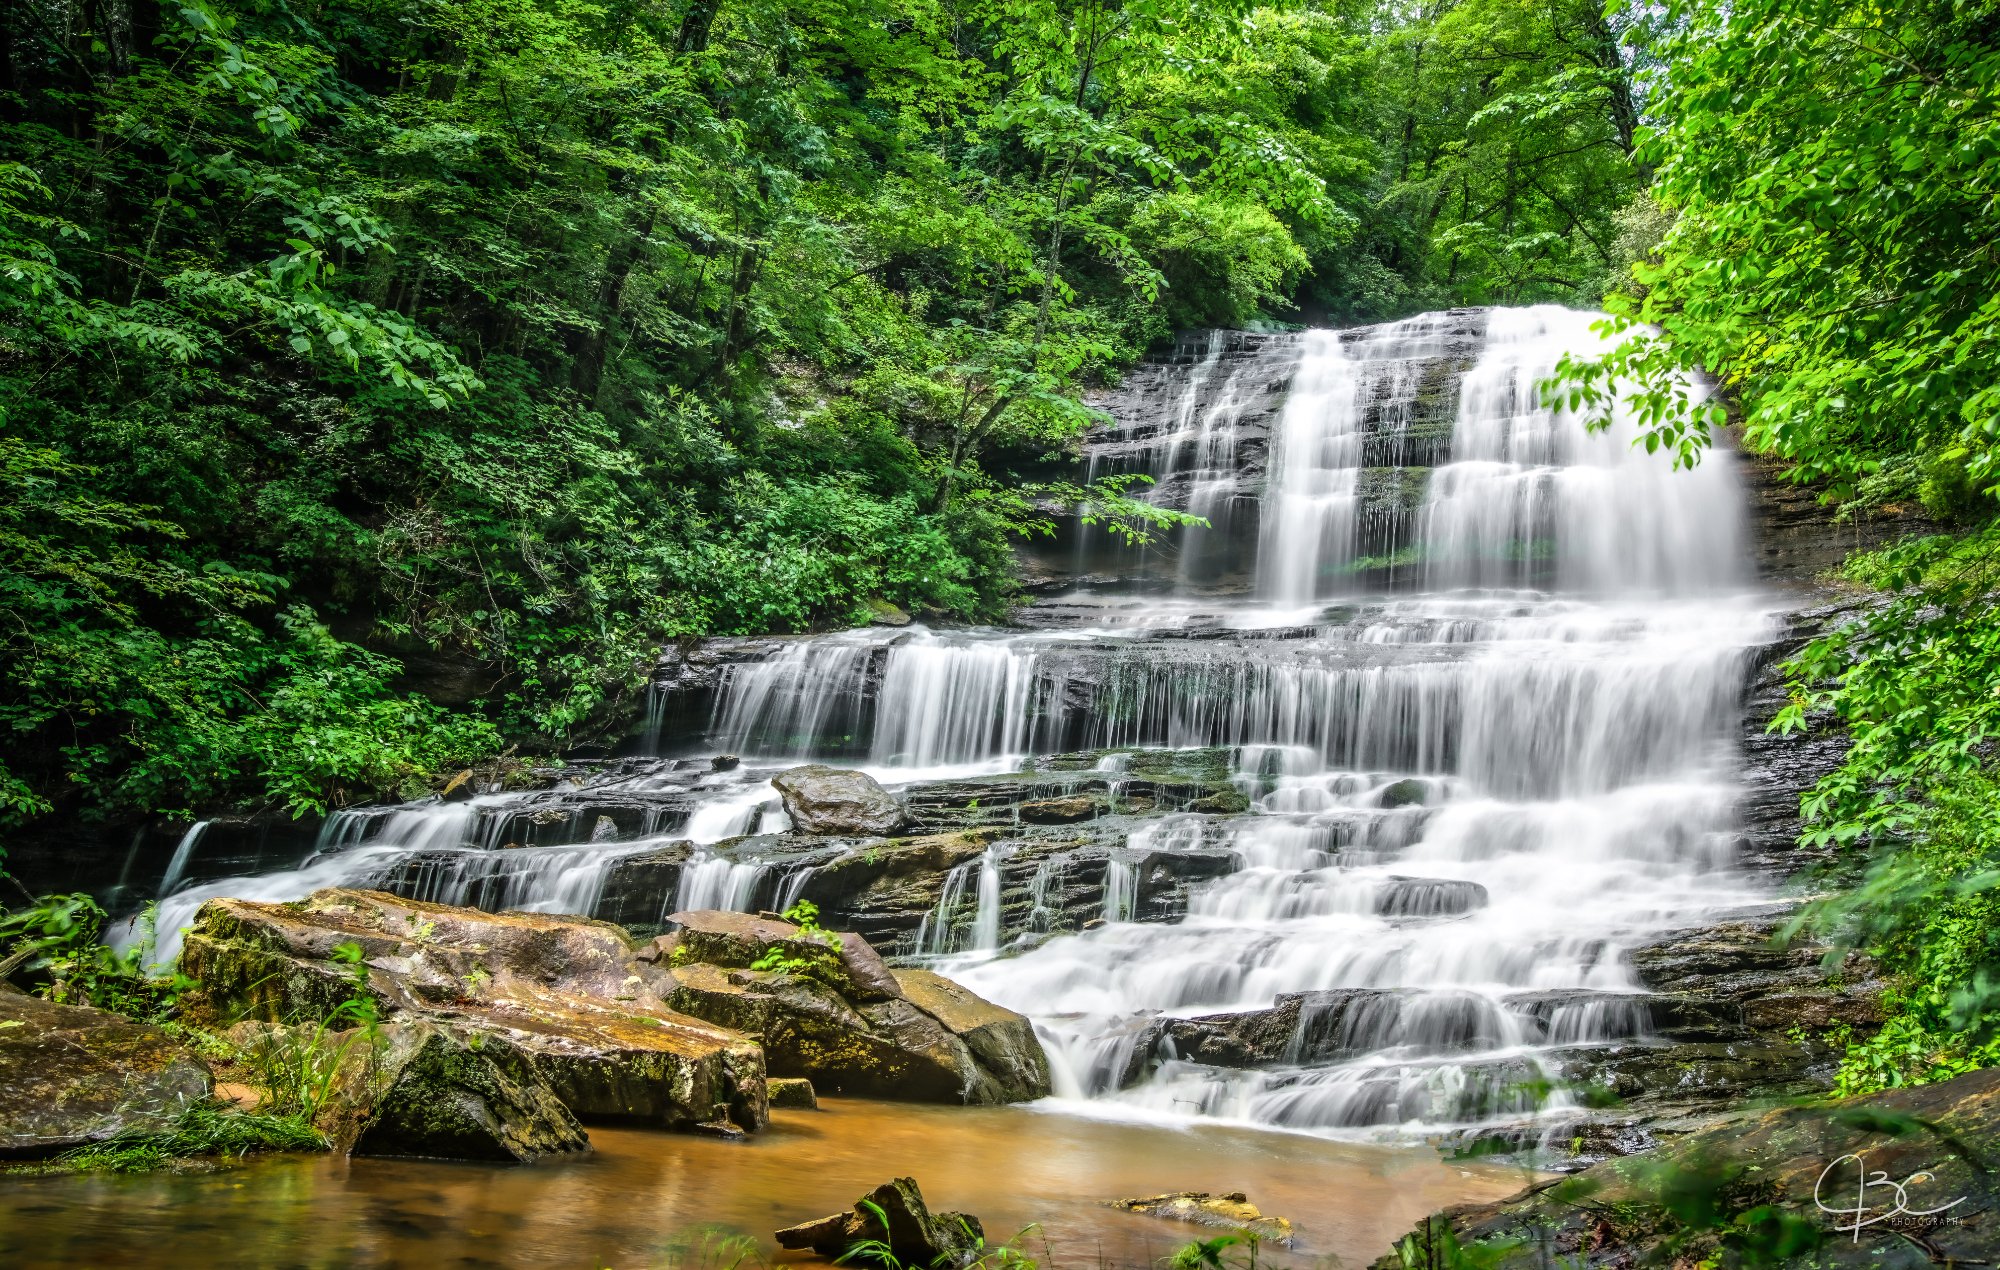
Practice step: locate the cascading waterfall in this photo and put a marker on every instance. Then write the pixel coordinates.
(1482, 696)
(1469, 798)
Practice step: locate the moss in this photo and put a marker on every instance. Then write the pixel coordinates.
(206, 1131)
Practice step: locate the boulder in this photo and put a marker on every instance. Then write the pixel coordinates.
(889, 1049)
(844, 961)
(1004, 1042)
(792, 1093)
(931, 1042)
(894, 1214)
(1409, 792)
(574, 1006)
(71, 1075)
(831, 800)
(655, 1068)
(1233, 1211)
(429, 1091)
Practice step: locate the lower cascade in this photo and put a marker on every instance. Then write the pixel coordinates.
(1338, 815)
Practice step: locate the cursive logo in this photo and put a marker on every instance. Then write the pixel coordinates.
(1877, 1197)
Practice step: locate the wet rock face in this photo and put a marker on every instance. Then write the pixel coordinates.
(830, 800)
(570, 1009)
(71, 1075)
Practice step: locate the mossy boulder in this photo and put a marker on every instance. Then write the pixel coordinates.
(71, 1075)
(884, 1048)
(576, 1007)
(844, 961)
(420, 1089)
(1003, 1042)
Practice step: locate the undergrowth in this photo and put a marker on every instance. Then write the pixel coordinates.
(204, 1130)
(1914, 682)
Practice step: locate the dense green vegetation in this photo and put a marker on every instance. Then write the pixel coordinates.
(381, 385)
(1828, 169)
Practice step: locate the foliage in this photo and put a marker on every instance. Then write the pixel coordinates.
(1232, 1250)
(57, 942)
(1818, 243)
(1829, 167)
(1915, 683)
(297, 1064)
(812, 953)
(373, 394)
(974, 1253)
(204, 1129)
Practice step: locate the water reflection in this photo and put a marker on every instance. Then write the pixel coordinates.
(643, 1195)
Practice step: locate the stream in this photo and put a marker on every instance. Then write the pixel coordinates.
(1468, 676)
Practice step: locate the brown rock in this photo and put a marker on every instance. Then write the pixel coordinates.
(574, 1005)
(1004, 1042)
(1061, 811)
(71, 1075)
(893, 1214)
(1234, 1211)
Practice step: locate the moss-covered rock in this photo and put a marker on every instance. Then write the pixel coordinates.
(419, 1089)
(1003, 1042)
(576, 1007)
(951, 1048)
(71, 1075)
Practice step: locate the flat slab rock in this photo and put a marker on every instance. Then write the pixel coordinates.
(1233, 1211)
(71, 1075)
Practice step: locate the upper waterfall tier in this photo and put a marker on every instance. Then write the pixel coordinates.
(1414, 455)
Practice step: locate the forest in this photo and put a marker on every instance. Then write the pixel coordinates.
(384, 383)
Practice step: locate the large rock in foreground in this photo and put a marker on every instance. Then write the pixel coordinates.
(832, 800)
(893, 1214)
(1780, 1187)
(71, 1075)
(424, 1090)
(570, 1009)
(837, 1015)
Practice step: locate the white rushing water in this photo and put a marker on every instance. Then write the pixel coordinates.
(1563, 683)
(1484, 699)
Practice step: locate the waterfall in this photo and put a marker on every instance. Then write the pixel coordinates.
(935, 934)
(183, 853)
(1507, 758)
(1477, 669)
(710, 881)
(1121, 890)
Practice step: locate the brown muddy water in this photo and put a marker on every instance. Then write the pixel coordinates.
(646, 1200)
